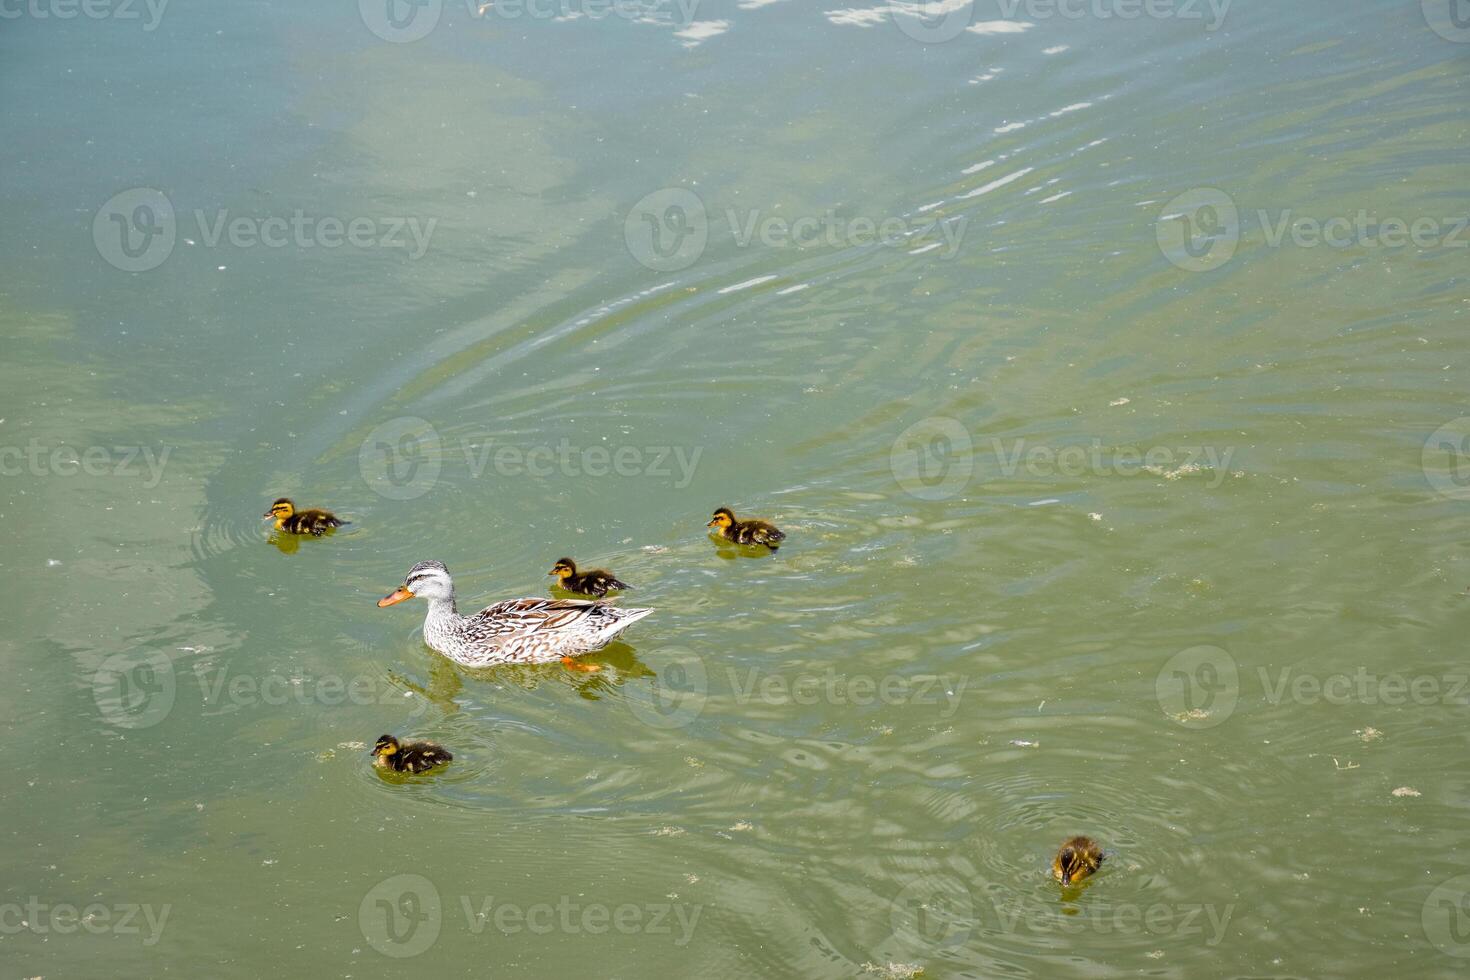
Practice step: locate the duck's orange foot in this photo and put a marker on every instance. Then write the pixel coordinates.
(571, 663)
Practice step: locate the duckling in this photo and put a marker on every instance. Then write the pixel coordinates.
(390, 753)
(596, 582)
(292, 521)
(1078, 858)
(745, 532)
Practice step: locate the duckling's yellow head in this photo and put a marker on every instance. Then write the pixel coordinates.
(723, 517)
(280, 510)
(564, 568)
(1078, 858)
(387, 745)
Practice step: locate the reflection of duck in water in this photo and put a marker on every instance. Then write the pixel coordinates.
(446, 679)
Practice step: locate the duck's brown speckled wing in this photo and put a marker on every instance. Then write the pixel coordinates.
(535, 615)
(530, 630)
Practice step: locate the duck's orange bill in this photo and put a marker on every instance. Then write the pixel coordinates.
(396, 597)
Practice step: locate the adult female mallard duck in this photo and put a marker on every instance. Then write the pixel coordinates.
(598, 581)
(516, 631)
(390, 753)
(745, 532)
(1078, 858)
(314, 522)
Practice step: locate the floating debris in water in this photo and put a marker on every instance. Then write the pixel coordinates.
(1407, 791)
(894, 971)
(1119, 401)
(1369, 734)
(1022, 743)
(1094, 517)
(668, 831)
(742, 825)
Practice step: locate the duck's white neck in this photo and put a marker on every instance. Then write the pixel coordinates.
(443, 608)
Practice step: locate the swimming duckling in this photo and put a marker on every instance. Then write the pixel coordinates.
(1078, 858)
(292, 521)
(596, 582)
(390, 753)
(745, 532)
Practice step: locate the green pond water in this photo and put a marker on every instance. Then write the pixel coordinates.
(1106, 369)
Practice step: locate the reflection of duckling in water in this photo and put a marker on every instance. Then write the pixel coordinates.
(745, 532)
(598, 582)
(315, 522)
(415, 757)
(1078, 858)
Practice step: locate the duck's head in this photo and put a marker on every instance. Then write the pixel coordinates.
(387, 745)
(1078, 858)
(280, 510)
(564, 569)
(426, 580)
(723, 517)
